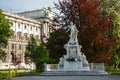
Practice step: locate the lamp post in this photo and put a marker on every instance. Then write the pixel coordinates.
(9, 72)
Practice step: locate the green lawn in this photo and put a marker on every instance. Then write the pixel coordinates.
(4, 74)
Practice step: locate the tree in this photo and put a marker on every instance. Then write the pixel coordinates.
(94, 29)
(115, 61)
(112, 7)
(56, 43)
(5, 33)
(2, 54)
(108, 6)
(31, 48)
(37, 54)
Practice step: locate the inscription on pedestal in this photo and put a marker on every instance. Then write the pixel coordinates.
(72, 52)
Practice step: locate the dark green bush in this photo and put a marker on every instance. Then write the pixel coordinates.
(111, 70)
(3, 75)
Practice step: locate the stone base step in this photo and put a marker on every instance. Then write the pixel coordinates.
(73, 73)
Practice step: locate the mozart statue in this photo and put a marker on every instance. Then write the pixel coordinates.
(74, 32)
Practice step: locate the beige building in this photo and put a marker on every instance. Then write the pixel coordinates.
(46, 17)
(23, 28)
(38, 23)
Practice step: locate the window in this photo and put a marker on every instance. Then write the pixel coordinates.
(19, 46)
(25, 35)
(25, 27)
(12, 46)
(36, 29)
(19, 25)
(19, 35)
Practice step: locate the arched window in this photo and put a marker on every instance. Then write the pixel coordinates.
(26, 36)
(19, 35)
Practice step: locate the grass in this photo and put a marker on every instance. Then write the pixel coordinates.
(4, 74)
(28, 74)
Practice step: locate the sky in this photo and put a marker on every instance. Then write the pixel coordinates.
(25, 5)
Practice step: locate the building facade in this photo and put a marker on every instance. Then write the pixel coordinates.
(46, 17)
(37, 23)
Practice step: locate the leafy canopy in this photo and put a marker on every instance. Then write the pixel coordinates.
(56, 42)
(112, 7)
(5, 33)
(36, 53)
(5, 30)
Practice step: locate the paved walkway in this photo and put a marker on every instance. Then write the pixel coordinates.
(110, 77)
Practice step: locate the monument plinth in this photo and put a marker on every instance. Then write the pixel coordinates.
(74, 60)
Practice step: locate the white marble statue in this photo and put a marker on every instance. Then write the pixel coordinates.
(74, 32)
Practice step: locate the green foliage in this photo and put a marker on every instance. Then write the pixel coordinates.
(7, 73)
(31, 49)
(115, 61)
(11, 73)
(112, 71)
(5, 33)
(112, 8)
(56, 43)
(108, 6)
(2, 54)
(41, 57)
(116, 24)
(3, 75)
(37, 54)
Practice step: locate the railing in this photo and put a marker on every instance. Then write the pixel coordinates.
(93, 66)
(6, 65)
(30, 66)
(51, 67)
(97, 66)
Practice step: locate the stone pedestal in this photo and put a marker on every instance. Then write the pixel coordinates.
(74, 60)
(73, 66)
